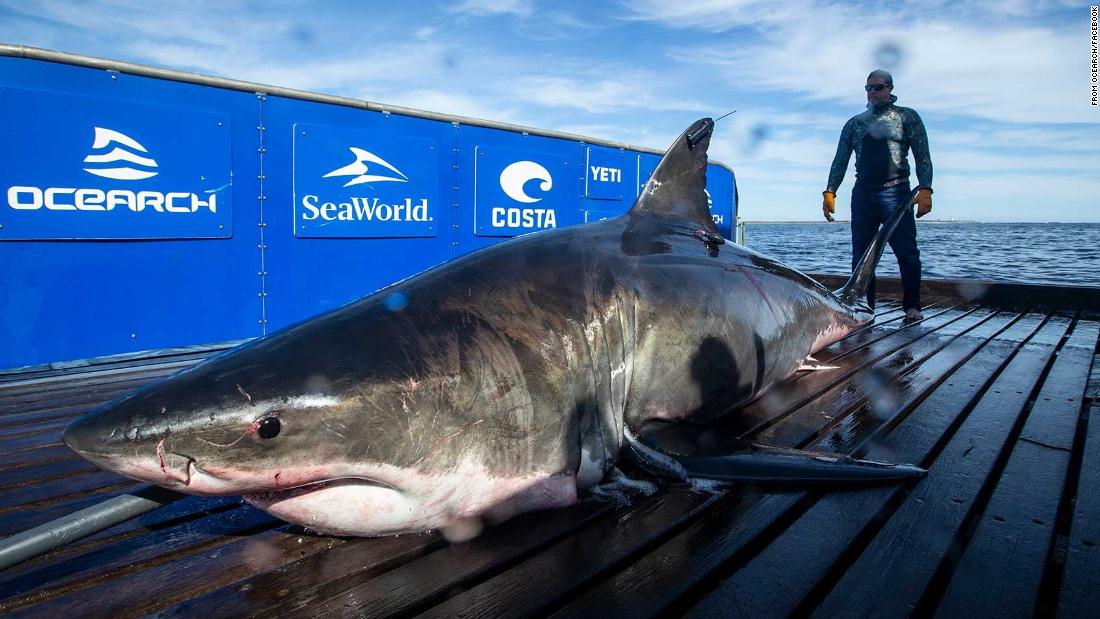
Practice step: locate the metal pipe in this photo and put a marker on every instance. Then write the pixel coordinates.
(67, 529)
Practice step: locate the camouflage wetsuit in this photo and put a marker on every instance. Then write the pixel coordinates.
(881, 138)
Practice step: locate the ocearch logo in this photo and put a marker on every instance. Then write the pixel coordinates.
(513, 180)
(95, 199)
(124, 146)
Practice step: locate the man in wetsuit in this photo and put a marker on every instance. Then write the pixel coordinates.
(881, 138)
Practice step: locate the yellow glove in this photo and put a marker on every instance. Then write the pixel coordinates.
(923, 201)
(828, 206)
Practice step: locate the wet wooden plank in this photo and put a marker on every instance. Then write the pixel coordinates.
(22, 578)
(1006, 557)
(18, 419)
(892, 573)
(340, 580)
(661, 579)
(649, 586)
(170, 578)
(35, 495)
(810, 389)
(1080, 591)
(415, 584)
(27, 443)
(664, 588)
(929, 358)
(830, 528)
(53, 427)
(44, 580)
(39, 473)
(34, 457)
(888, 324)
(550, 577)
(87, 395)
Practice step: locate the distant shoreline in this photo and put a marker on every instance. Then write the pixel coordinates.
(845, 221)
(929, 221)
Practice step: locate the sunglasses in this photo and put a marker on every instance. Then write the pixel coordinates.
(875, 87)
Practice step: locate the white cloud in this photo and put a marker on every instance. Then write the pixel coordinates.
(596, 95)
(712, 15)
(1017, 72)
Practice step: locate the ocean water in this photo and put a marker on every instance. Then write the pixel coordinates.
(1034, 253)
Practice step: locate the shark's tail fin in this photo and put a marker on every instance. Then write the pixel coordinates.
(853, 293)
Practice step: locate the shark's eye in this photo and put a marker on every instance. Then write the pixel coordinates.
(269, 427)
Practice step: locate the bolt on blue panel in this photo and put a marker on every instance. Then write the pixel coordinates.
(364, 184)
(603, 173)
(521, 191)
(78, 167)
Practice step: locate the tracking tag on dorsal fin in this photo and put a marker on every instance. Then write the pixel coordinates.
(677, 188)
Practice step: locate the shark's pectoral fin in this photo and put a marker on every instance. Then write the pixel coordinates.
(685, 452)
(765, 464)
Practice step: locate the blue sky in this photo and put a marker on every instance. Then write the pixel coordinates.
(1003, 87)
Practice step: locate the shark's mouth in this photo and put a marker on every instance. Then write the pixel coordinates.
(343, 506)
(275, 496)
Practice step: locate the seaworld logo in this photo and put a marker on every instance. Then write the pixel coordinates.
(360, 208)
(359, 169)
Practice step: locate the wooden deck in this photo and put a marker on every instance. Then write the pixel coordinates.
(996, 402)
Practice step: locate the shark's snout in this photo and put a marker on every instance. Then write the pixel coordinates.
(121, 445)
(87, 437)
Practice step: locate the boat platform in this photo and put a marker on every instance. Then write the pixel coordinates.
(993, 392)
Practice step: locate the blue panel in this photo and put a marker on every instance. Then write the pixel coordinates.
(518, 191)
(93, 167)
(351, 183)
(720, 198)
(255, 268)
(78, 299)
(308, 273)
(603, 179)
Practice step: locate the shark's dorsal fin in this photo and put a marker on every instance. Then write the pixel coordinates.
(677, 188)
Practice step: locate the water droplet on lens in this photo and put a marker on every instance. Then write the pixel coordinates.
(462, 529)
(397, 301)
(888, 55)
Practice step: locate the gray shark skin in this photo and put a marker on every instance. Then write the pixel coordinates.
(511, 378)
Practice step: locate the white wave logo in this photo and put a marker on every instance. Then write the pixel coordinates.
(518, 174)
(359, 169)
(108, 137)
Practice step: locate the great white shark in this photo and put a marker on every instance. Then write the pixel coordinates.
(510, 380)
